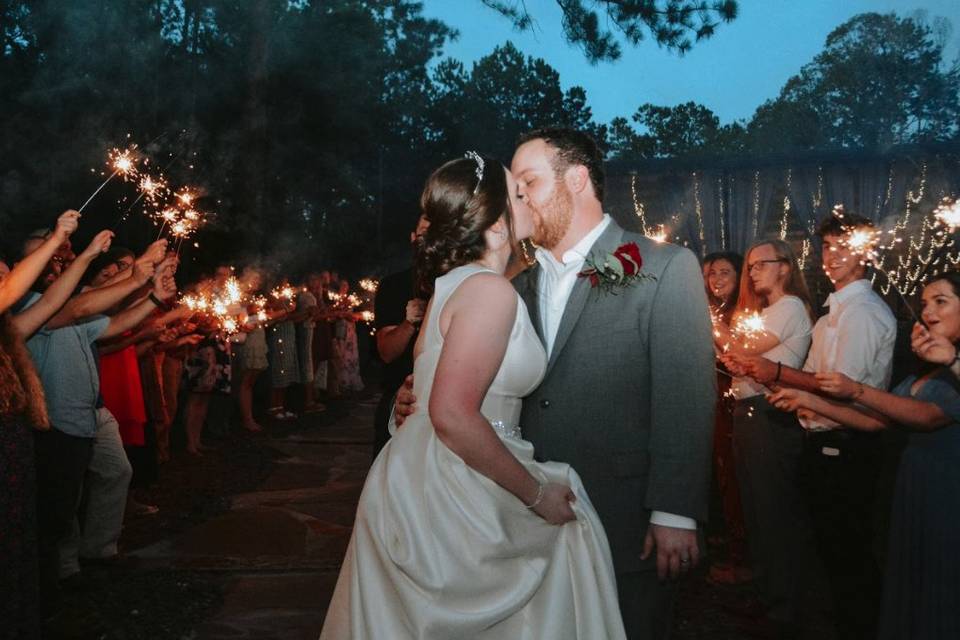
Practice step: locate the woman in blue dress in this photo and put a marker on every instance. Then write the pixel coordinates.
(921, 598)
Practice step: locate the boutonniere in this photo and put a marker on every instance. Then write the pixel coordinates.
(618, 269)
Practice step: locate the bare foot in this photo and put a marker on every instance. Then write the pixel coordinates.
(252, 427)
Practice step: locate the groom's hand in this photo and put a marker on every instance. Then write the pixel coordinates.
(677, 550)
(406, 402)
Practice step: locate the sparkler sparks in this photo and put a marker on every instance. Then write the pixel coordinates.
(948, 214)
(123, 164)
(748, 326)
(863, 242)
(659, 235)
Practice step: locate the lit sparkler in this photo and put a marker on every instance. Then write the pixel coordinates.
(369, 285)
(123, 164)
(660, 235)
(284, 292)
(948, 214)
(749, 326)
(863, 242)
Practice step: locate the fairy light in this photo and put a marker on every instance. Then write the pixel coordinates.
(785, 219)
(723, 224)
(638, 207)
(698, 208)
(805, 249)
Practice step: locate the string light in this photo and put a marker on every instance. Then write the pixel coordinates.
(638, 207)
(698, 208)
(785, 220)
(723, 230)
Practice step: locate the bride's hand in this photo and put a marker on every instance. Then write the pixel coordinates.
(554, 507)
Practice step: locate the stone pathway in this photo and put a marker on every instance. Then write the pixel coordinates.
(277, 550)
(256, 555)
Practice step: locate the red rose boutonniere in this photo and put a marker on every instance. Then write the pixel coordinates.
(618, 269)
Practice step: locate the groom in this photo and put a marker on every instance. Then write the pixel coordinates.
(629, 391)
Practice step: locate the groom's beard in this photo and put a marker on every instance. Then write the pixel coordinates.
(552, 219)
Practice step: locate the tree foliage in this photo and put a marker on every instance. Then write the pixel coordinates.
(674, 24)
(311, 125)
(880, 80)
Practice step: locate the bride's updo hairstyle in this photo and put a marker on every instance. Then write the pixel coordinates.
(461, 200)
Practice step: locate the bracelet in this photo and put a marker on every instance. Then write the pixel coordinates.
(539, 496)
(157, 301)
(779, 366)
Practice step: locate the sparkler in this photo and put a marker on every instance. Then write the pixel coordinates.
(123, 163)
(660, 235)
(947, 216)
(748, 326)
(284, 292)
(369, 285)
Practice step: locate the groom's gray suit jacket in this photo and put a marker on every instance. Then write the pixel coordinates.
(629, 393)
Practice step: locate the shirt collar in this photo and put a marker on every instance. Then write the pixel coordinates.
(848, 293)
(578, 252)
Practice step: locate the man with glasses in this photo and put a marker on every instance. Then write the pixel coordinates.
(768, 444)
(856, 337)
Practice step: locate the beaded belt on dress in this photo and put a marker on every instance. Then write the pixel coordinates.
(505, 431)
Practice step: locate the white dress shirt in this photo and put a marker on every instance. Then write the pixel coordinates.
(855, 338)
(557, 280)
(553, 291)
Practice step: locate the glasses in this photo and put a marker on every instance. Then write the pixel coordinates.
(758, 264)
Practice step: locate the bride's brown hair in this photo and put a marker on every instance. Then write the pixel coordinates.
(459, 206)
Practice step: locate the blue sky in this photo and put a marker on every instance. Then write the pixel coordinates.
(744, 64)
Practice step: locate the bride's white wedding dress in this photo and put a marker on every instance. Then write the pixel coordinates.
(440, 551)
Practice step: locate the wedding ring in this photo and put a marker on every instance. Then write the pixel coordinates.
(684, 561)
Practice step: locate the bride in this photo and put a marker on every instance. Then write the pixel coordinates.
(459, 532)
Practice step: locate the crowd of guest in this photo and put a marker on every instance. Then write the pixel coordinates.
(799, 449)
(101, 357)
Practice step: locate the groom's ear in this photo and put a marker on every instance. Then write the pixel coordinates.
(578, 177)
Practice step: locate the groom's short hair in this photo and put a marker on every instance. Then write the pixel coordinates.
(573, 147)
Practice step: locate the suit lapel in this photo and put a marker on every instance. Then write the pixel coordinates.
(606, 243)
(528, 291)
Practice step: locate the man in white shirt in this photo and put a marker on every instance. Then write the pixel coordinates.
(856, 337)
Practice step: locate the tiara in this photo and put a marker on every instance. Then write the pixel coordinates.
(473, 155)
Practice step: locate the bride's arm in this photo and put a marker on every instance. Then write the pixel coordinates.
(476, 323)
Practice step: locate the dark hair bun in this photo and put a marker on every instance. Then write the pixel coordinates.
(459, 209)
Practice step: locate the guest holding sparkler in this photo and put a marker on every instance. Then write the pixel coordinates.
(283, 356)
(251, 357)
(307, 314)
(721, 277)
(208, 367)
(319, 285)
(346, 355)
(841, 466)
(22, 411)
(773, 319)
(62, 352)
(922, 578)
